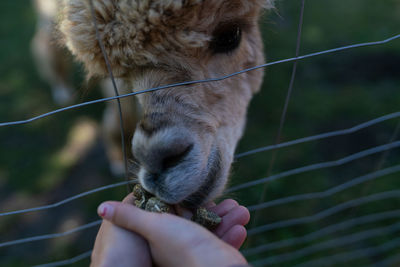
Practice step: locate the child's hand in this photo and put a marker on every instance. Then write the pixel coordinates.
(234, 218)
(116, 246)
(172, 241)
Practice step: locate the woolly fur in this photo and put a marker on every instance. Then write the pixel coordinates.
(157, 42)
(144, 32)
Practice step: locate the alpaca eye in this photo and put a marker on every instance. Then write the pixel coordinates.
(226, 39)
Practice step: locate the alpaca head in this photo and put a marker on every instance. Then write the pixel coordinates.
(187, 136)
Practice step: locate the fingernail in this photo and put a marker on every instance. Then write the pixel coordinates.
(187, 214)
(105, 210)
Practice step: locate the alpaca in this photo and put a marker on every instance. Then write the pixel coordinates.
(54, 64)
(185, 140)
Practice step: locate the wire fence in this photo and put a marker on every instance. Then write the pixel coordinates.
(319, 241)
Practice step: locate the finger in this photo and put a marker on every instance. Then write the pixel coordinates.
(235, 236)
(224, 207)
(128, 216)
(183, 212)
(129, 199)
(237, 216)
(210, 205)
(154, 227)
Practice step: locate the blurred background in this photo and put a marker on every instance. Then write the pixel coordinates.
(57, 157)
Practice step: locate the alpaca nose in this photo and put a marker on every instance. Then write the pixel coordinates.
(160, 150)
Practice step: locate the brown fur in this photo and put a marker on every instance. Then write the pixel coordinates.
(157, 42)
(143, 33)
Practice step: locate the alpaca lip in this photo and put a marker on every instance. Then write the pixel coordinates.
(202, 194)
(193, 199)
(198, 198)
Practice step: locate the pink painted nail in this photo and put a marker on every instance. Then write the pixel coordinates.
(105, 210)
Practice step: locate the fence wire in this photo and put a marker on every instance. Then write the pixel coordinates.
(329, 230)
(321, 136)
(391, 261)
(116, 91)
(285, 110)
(341, 226)
(325, 213)
(150, 90)
(68, 261)
(67, 200)
(327, 193)
(333, 243)
(50, 236)
(317, 166)
(255, 182)
(352, 255)
(317, 195)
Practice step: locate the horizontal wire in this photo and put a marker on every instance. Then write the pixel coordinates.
(317, 166)
(391, 261)
(274, 177)
(165, 87)
(68, 261)
(321, 136)
(325, 213)
(333, 243)
(353, 255)
(90, 225)
(50, 236)
(323, 232)
(87, 254)
(346, 239)
(200, 81)
(242, 186)
(62, 202)
(329, 192)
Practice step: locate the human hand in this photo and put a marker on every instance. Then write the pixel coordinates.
(234, 218)
(174, 241)
(116, 246)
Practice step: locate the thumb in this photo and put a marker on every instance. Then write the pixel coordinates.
(154, 227)
(129, 217)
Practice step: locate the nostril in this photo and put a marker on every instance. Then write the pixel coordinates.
(152, 123)
(163, 149)
(146, 127)
(174, 159)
